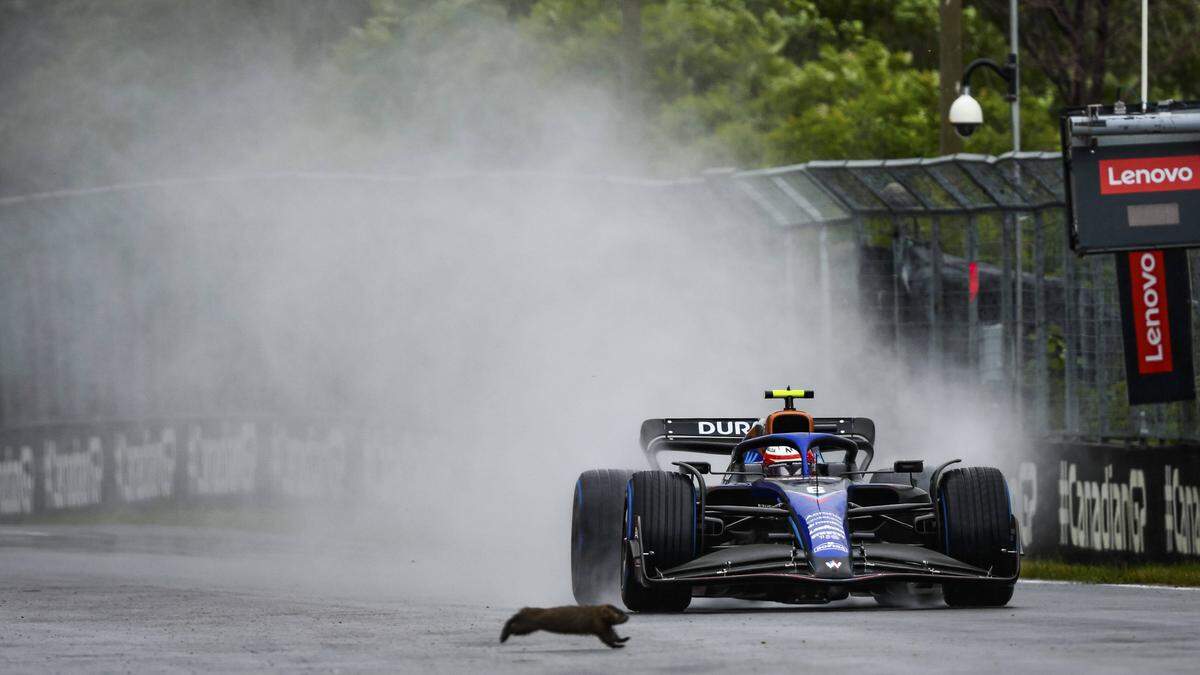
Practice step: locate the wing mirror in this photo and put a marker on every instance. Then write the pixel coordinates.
(702, 467)
(909, 466)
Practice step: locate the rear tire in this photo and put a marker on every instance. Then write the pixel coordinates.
(597, 532)
(976, 527)
(665, 502)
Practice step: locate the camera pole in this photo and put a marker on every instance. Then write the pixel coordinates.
(1145, 54)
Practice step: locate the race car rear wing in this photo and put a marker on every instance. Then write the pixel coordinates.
(717, 436)
(708, 435)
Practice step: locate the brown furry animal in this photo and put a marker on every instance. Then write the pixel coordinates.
(595, 620)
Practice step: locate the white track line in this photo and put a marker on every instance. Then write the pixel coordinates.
(1058, 582)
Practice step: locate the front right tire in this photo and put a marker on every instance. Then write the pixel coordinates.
(597, 535)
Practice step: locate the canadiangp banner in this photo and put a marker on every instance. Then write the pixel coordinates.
(1156, 320)
(89, 465)
(1089, 501)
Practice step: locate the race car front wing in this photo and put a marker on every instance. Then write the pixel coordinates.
(873, 564)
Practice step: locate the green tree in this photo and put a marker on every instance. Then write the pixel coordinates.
(713, 68)
(96, 92)
(1090, 48)
(866, 102)
(780, 81)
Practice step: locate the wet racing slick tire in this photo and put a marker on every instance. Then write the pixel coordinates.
(597, 534)
(665, 503)
(976, 528)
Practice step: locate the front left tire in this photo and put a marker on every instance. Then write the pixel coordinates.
(977, 527)
(665, 504)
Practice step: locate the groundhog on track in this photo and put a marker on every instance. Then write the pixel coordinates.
(595, 620)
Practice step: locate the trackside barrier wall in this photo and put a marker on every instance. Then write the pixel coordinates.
(79, 466)
(1090, 501)
(1079, 501)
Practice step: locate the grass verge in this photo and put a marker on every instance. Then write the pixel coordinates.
(1173, 574)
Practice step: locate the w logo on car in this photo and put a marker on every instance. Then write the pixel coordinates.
(833, 564)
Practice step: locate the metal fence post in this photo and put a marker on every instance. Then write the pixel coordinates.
(1041, 373)
(1019, 320)
(935, 291)
(791, 275)
(972, 298)
(35, 287)
(1191, 418)
(1006, 301)
(1070, 335)
(825, 282)
(1100, 373)
(897, 262)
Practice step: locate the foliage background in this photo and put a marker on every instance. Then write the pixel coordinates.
(95, 91)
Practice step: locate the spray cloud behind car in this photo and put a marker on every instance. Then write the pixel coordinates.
(436, 241)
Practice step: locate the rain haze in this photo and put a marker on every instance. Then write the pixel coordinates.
(492, 266)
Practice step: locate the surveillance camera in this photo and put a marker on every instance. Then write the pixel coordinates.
(966, 115)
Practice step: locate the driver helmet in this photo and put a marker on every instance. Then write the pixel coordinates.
(783, 461)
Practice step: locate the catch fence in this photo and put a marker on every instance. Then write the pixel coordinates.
(963, 263)
(959, 262)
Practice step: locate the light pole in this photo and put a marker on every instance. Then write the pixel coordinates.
(966, 115)
(968, 108)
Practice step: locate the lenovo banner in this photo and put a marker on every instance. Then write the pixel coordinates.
(1149, 174)
(1156, 319)
(1132, 178)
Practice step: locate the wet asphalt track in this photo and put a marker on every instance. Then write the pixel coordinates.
(138, 598)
